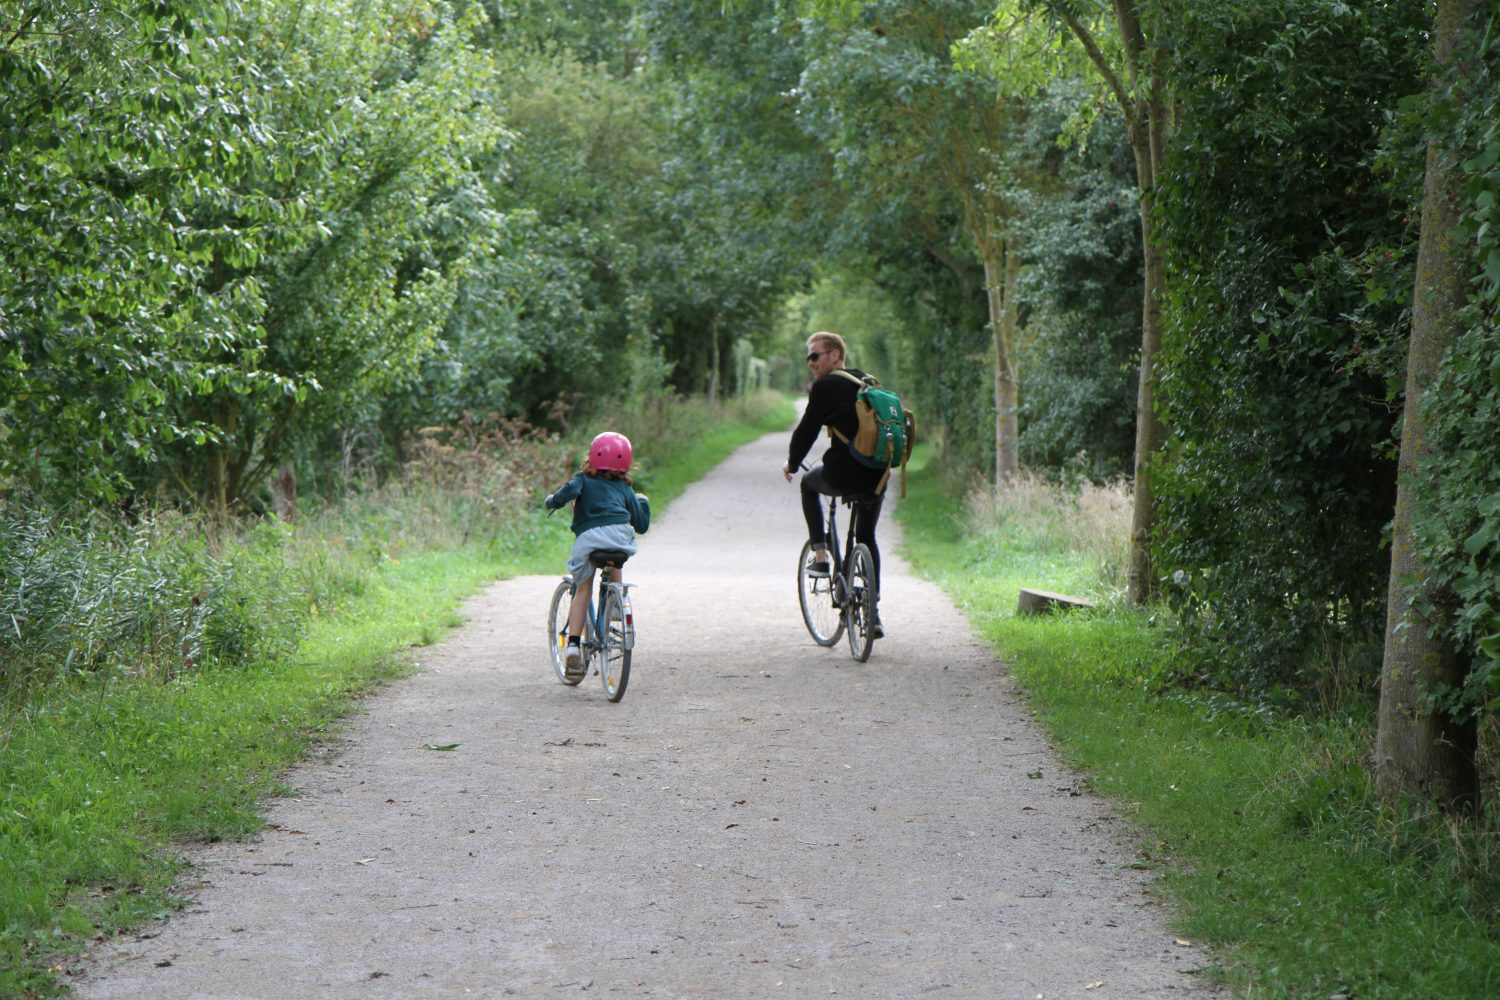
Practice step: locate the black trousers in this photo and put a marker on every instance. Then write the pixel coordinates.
(815, 486)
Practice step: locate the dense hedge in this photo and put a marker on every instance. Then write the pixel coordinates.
(1290, 261)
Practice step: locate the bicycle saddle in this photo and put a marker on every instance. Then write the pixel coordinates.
(608, 558)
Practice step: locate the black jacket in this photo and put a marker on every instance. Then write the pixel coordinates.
(830, 403)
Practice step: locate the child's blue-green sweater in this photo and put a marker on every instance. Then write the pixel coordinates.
(602, 500)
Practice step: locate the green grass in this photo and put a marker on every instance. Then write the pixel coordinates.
(1266, 831)
(101, 784)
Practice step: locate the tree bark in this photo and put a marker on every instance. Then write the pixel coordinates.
(1423, 750)
(1000, 295)
(1150, 432)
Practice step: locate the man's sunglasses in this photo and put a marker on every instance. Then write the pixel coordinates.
(815, 355)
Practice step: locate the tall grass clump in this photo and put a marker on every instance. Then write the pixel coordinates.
(1085, 524)
(471, 483)
(95, 597)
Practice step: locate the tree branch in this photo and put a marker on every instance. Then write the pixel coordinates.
(1134, 40)
(1111, 78)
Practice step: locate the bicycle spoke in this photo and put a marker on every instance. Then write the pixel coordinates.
(815, 592)
(557, 629)
(860, 610)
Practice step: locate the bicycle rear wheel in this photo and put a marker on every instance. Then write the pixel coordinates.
(557, 629)
(614, 647)
(859, 609)
(815, 591)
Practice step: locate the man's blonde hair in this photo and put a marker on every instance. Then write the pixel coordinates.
(823, 340)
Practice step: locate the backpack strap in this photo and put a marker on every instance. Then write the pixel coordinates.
(834, 432)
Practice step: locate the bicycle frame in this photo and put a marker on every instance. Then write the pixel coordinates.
(593, 619)
(839, 559)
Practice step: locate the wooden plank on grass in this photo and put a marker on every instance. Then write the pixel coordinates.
(1042, 602)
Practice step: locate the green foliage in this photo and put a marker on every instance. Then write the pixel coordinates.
(231, 216)
(942, 156)
(1288, 258)
(743, 198)
(1081, 290)
(912, 139)
(551, 317)
(118, 128)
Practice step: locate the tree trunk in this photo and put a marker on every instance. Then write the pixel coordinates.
(221, 467)
(713, 360)
(1003, 312)
(284, 493)
(1139, 86)
(1421, 749)
(1150, 433)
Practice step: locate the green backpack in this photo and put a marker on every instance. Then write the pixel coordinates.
(886, 429)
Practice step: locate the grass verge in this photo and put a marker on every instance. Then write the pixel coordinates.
(101, 783)
(1266, 831)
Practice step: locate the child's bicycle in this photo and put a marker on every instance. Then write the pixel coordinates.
(609, 627)
(843, 599)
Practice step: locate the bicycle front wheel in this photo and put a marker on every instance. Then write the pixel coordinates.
(557, 629)
(815, 591)
(614, 646)
(859, 609)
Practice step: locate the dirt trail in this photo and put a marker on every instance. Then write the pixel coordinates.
(758, 818)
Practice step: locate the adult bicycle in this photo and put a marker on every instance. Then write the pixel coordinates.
(608, 627)
(839, 597)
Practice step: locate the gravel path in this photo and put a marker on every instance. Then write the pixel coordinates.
(758, 817)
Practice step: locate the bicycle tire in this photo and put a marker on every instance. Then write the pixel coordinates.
(557, 629)
(815, 593)
(614, 647)
(859, 609)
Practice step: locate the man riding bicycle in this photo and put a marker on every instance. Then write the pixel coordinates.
(830, 403)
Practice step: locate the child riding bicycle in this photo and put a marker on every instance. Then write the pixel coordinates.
(607, 513)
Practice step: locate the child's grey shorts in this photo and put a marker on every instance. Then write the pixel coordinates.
(606, 536)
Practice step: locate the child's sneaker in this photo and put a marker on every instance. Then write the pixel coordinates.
(573, 663)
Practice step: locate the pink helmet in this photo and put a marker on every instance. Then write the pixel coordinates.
(610, 452)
